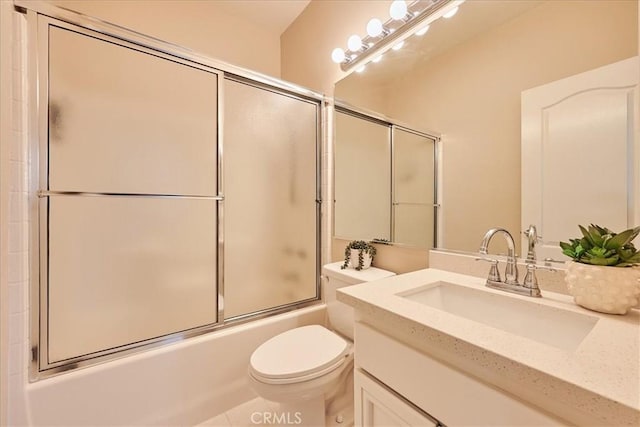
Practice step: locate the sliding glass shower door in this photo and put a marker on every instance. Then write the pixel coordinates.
(174, 198)
(270, 207)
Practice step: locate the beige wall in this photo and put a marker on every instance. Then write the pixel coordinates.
(399, 259)
(198, 25)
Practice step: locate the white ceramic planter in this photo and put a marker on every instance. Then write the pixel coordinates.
(353, 259)
(612, 290)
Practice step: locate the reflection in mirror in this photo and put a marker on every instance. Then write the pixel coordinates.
(363, 177)
(385, 180)
(413, 189)
(465, 77)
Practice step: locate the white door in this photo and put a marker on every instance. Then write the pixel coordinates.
(581, 154)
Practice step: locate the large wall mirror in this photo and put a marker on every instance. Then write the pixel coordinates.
(385, 178)
(465, 79)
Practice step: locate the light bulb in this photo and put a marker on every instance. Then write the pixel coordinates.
(451, 13)
(360, 69)
(354, 43)
(398, 45)
(377, 58)
(398, 9)
(422, 31)
(374, 27)
(337, 55)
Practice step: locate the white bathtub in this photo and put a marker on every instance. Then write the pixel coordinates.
(181, 384)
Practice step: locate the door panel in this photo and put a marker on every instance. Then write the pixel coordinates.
(125, 269)
(270, 199)
(362, 177)
(125, 121)
(580, 154)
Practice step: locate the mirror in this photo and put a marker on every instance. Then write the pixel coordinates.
(385, 180)
(464, 79)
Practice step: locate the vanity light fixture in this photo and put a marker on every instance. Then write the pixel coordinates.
(398, 9)
(354, 43)
(375, 28)
(377, 58)
(338, 55)
(361, 68)
(407, 18)
(450, 13)
(422, 31)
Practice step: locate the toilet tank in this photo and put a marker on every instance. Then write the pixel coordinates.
(341, 315)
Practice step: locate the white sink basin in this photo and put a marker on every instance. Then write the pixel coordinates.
(559, 328)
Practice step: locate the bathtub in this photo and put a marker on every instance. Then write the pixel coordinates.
(182, 384)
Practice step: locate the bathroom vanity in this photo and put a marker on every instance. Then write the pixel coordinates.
(439, 347)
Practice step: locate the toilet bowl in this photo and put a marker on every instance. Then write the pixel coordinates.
(305, 368)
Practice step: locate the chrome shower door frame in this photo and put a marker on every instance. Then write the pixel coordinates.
(39, 16)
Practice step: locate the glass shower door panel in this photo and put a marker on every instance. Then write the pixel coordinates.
(362, 177)
(414, 225)
(414, 188)
(125, 121)
(413, 168)
(270, 199)
(125, 269)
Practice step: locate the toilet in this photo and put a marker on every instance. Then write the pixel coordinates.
(305, 369)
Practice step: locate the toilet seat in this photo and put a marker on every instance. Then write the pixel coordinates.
(298, 355)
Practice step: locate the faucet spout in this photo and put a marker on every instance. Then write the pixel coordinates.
(511, 272)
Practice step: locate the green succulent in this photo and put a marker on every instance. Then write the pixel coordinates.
(601, 246)
(364, 248)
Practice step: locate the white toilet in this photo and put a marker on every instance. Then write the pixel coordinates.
(305, 368)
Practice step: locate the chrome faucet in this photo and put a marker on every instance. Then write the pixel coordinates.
(511, 272)
(510, 284)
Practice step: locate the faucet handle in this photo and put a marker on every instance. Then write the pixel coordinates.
(494, 273)
(532, 232)
(531, 281)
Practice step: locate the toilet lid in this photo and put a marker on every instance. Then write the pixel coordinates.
(300, 353)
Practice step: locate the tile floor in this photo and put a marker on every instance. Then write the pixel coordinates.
(256, 412)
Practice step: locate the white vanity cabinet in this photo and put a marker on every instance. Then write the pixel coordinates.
(378, 406)
(397, 385)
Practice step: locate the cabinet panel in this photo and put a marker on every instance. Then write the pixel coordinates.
(439, 389)
(376, 406)
(125, 121)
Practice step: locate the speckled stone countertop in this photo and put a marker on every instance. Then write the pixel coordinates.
(595, 381)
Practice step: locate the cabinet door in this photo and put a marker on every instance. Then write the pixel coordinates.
(375, 405)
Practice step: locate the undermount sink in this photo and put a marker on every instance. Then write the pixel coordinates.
(552, 326)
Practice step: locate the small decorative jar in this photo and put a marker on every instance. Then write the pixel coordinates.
(612, 290)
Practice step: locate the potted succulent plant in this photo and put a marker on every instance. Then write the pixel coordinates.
(604, 275)
(361, 251)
